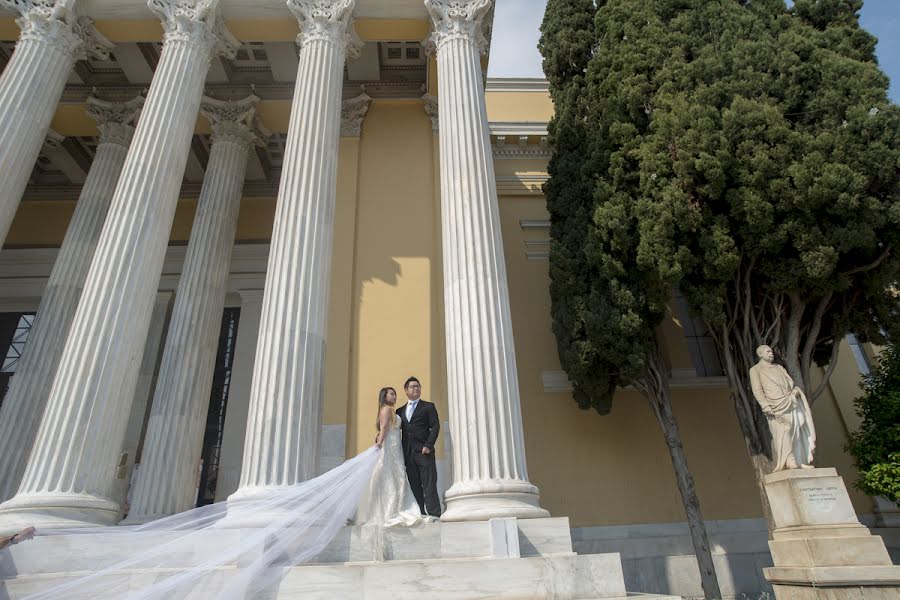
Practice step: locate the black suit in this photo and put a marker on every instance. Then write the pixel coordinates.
(421, 432)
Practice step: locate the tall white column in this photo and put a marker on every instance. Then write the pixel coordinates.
(489, 474)
(174, 440)
(53, 37)
(24, 405)
(285, 420)
(69, 480)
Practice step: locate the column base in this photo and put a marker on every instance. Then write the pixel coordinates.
(57, 511)
(241, 515)
(131, 521)
(483, 500)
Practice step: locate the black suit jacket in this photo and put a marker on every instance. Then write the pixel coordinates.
(422, 430)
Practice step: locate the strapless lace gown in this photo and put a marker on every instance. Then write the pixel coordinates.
(390, 501)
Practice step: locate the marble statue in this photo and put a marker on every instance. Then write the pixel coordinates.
(787, 410)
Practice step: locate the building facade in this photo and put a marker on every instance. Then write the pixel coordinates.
(221, 241)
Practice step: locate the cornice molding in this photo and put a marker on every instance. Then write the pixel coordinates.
(518, 128)
(558, 382)
(521, 84)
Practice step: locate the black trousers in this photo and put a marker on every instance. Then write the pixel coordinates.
(422, 474)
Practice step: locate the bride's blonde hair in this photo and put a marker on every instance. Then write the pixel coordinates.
(382, 397)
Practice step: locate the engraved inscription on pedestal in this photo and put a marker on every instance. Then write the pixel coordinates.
(808, 497)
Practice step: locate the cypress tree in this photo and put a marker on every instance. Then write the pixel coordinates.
(605, 304)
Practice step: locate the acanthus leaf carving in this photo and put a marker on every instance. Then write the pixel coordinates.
(60, 24)
(196, 21)
(353, 111)
(433, 111)
(115, 120)
(455, 19)
(326, 20)
(235, 121)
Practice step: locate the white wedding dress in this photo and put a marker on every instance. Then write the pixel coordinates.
(291, 526)
(389, 501)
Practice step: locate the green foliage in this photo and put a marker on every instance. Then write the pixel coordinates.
(736, 150)
(875, 445)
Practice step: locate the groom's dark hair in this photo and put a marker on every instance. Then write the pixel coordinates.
(409, 381)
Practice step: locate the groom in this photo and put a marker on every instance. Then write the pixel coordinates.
(420, 425)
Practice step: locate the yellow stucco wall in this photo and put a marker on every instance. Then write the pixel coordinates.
(385, 323)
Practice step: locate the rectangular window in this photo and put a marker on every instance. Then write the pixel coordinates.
(218, 402)
(701, 345)
(859, 354)
(14, 330)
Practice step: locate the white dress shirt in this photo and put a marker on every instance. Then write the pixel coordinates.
(410, 409)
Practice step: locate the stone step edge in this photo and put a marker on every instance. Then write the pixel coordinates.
(362, 563)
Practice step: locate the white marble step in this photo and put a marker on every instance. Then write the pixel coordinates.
(569, 577)
(88, 552)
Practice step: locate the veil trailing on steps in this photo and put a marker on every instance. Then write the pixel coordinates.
(227, 551)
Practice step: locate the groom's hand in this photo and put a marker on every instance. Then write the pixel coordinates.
(425, 450)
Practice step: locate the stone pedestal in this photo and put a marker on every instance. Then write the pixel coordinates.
(819, 547)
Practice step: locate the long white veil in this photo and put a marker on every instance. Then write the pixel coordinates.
(228, 551)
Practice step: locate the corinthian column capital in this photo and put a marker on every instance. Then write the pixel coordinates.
(115, 120)
(433, 112)
(235, 121)
(58, 24)
(195, 21)
(458, 19)
(353, 111)
(326, 20)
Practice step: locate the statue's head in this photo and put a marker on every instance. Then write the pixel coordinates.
(765, 353)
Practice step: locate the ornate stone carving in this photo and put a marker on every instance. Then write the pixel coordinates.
(115, 120)
(786, 409)
(458, 19)
(353, 112)
(53, 141)
(197, 21)
(58, 24)
(327, 20)
(235, 121)
(431, 109)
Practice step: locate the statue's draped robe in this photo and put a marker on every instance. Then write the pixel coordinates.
(789, 415)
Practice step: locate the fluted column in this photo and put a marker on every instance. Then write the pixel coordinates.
(489, 474)
(286, 396)
(174, 436)
(70, 474)
(24, 405)
(53, 37)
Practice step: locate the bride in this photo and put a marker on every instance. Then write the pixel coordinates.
(193, 554)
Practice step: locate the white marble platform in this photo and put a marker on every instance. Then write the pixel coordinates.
(503, 559)
(561, 578)
(435, 541)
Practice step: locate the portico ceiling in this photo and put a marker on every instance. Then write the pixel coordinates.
(256, 9)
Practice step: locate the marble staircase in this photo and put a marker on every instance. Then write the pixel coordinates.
(502, 559)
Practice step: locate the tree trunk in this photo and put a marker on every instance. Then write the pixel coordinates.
(658, 393)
